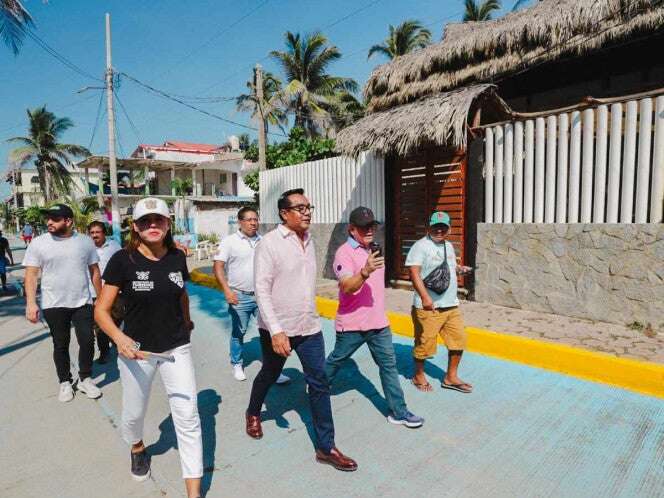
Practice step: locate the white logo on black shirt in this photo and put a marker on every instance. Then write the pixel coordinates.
(142, 284)
(176, 278)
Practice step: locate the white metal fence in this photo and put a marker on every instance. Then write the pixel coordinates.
(601, 165)
(335, 186)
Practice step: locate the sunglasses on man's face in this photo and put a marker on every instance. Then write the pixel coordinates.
(56, 219)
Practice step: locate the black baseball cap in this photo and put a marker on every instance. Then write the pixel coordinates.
(58, 210)
(362, 217)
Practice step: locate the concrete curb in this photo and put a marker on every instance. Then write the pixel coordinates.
(639, 376)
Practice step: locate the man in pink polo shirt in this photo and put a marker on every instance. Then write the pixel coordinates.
(360, 269)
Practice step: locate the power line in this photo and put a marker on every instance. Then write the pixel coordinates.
(94, 129)
(57, 109)
(338, 21)
(348, 16)
(214, 37)
(197, 109)
(248, 68)
(126, 114)
(118, 138)
(59, 57)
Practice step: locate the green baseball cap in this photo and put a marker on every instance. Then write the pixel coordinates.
(440, 217)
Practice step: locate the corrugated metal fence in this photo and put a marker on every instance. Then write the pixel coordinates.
(335, 186)
(600, 165)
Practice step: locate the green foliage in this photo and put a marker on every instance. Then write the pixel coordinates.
(298, 149)
(209, 237)
(310, 93)
(480, 10)
(42, 148)
(406, 37)
(181, 186)
(30, 215)
(14, 24)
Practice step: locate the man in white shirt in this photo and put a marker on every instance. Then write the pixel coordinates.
(234, 270)
(285, 270)
(67, 261)
(105, 249)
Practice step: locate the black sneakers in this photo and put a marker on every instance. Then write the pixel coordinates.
(140, 466)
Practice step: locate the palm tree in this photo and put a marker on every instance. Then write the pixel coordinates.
(406, 37)
(344, 109)
(520, 3)
(310, 90)
(248, 102)
(476, 11)
(14, 22)
(42, 148)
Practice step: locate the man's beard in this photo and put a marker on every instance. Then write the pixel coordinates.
(59, 232)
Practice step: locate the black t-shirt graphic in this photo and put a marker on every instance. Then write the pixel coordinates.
(151, 292)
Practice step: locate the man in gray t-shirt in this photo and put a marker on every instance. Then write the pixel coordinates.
(65, 259)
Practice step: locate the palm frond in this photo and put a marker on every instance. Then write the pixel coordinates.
(14, 22)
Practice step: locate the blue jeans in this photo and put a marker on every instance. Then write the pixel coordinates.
(311, 351)
(382, 351)
(241, 314)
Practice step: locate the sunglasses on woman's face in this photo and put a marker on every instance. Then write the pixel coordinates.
(147, 221)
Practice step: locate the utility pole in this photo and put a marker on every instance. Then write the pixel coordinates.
(261, 117)
(18, 227)
(112, 165)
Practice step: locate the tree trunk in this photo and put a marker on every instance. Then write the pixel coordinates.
(42, 174)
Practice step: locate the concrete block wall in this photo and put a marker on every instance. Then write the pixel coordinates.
(606, 272)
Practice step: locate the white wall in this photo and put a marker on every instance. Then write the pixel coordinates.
(222, 221)
(599, 165)
(335, 186)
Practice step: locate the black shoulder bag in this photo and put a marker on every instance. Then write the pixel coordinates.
(439, 279)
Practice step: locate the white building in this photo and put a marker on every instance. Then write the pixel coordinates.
(215, 171)
(24, 181)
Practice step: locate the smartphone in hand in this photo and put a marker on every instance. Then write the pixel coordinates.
(375, 247)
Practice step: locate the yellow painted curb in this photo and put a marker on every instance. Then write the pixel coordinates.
(639, 376)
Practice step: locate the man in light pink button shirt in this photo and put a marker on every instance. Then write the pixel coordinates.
(360, 269)
(285, 285)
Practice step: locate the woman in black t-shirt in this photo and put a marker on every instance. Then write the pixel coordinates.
(151, 273)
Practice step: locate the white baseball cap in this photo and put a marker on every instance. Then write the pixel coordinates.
(150, 205)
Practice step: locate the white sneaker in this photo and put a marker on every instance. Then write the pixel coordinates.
(283, 379)
(238, 373)
(89, 388)
(66, 392)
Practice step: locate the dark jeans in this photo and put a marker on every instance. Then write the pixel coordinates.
(59, 322)
(382, 351)
(311, 351)
(104, 342)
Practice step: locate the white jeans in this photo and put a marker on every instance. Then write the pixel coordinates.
(180, 383)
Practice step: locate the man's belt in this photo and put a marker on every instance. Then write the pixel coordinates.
(243, 292)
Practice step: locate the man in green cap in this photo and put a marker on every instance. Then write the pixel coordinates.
(436, 313)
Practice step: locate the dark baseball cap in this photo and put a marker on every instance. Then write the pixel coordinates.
(58, 210)
(362, 217)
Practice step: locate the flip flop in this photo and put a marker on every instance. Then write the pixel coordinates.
(423, 387)
(457, 387)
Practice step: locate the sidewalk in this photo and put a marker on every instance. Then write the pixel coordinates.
(618, 340)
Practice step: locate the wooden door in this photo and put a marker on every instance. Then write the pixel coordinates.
(430, 180)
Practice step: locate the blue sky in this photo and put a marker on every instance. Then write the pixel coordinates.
(188, 48)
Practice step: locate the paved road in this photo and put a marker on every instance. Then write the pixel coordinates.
(524, 432)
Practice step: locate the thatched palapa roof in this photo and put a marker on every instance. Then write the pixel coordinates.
(477, 52)
(440, 119)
